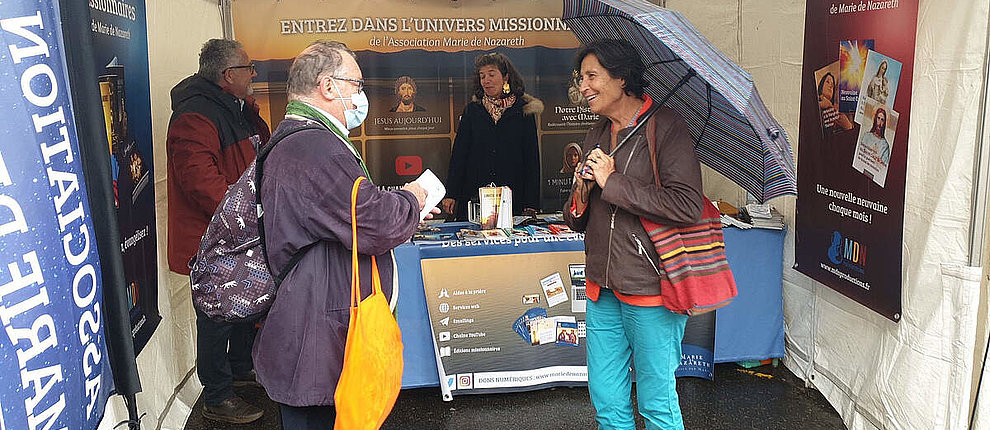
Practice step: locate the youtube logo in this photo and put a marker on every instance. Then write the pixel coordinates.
(408, 165)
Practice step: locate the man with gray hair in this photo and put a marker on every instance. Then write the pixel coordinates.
(306, 195)
(212, 137)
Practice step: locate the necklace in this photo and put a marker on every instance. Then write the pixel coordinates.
(635, 116)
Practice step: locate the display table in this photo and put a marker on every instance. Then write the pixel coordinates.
(750, 328)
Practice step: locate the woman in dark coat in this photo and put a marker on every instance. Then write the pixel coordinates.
(496, 139)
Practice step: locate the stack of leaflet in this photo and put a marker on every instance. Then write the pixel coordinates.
(765, 216)
(496, 207)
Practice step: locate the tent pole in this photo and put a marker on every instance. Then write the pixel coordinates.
(226, 21)
(978, 233)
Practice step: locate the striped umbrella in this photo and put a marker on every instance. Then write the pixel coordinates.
(733, 130)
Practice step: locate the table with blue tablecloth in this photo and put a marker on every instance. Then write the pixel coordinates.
(750, 328)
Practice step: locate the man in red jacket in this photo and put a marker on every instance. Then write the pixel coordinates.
(213, 135)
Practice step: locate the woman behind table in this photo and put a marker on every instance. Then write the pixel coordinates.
(627, 324)
(496, 139)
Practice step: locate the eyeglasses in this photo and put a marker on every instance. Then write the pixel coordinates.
(359, 82)
(249, 66)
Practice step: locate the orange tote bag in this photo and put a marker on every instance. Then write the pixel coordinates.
(372, 374)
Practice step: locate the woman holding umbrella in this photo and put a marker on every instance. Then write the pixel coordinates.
(626, 322)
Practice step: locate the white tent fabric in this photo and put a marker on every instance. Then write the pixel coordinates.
(916, 374)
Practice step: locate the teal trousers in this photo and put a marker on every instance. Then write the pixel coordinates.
(622, 335)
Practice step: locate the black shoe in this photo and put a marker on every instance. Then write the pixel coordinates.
(233, 410)
(246, 380)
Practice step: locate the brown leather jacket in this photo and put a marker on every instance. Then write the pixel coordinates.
(618, 253)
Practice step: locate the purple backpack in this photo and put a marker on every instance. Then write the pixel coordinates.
(230, 276)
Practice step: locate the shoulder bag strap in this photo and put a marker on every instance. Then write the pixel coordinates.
(355, 268)
(259, 168)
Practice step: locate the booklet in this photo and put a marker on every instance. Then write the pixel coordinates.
(553, 288)
(852, 57)
(434, 191)
(880, 78)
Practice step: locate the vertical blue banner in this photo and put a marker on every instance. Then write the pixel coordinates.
(54, 368)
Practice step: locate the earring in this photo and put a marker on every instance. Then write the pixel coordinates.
(505, 88)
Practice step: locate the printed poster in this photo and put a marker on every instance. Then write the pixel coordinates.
(493, 331)
(418, 71)
(853, 160)
(120, 44)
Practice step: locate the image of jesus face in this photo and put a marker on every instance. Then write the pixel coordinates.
(880, 120)
(407, 94)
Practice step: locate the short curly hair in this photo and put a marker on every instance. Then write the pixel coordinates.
(216, 56)
(320, 58)
(620, 59)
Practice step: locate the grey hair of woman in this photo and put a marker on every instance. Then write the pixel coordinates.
(319, 59)
(216, 56)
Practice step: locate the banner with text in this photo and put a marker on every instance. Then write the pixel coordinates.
(855, 117)
(509, 315)
(120, 43)
(425, 54)
(54, 370)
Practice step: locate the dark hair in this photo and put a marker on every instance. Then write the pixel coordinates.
(502, 63)
(404, 80)
(821, 84)
(876, 129)
(620, 59)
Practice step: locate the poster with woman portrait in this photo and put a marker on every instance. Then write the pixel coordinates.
(833, 121)
(559, 156)
(880, 79)
(876, 141)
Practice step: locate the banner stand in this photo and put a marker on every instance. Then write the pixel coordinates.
(91, 131)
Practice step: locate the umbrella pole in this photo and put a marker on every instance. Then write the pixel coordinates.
(656, 106)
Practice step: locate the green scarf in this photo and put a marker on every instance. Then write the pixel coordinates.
(296, 107)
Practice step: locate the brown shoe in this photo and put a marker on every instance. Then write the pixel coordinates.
(233, 410)
(246, 380)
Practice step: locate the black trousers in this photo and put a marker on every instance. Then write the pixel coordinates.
(307, 418)
(216, 364)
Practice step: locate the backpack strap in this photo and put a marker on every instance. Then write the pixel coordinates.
(259, 167)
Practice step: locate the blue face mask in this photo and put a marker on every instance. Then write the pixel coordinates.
(354, 117)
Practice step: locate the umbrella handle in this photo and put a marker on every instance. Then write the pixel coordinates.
(646, 116)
